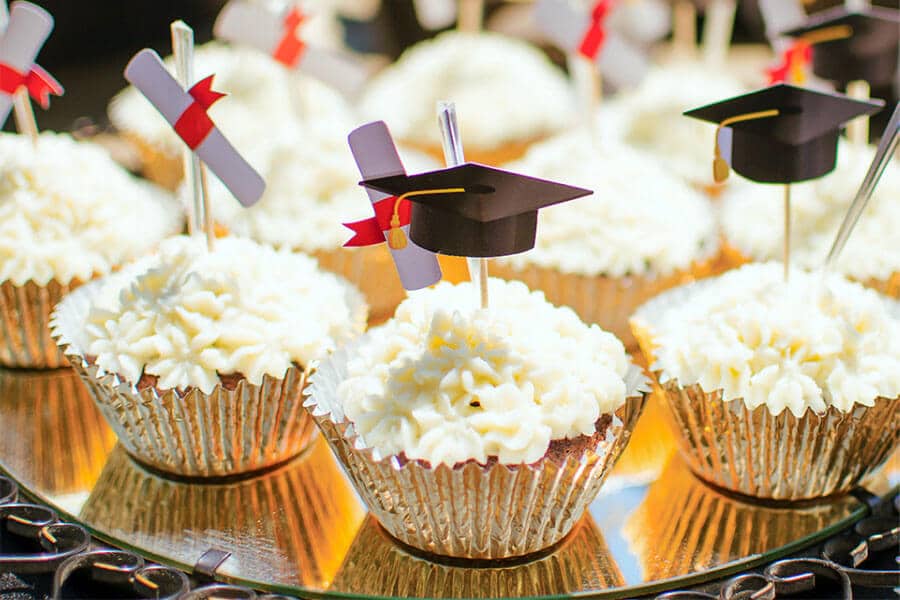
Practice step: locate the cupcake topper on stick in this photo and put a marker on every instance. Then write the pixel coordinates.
(186, 112)
(4, 16)
(470, 18)
(27, 28)
(780, 134)
(279, 35)
(886, 149)
(376, 156)
(717, 30)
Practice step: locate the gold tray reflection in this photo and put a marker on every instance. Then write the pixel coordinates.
(301, 530)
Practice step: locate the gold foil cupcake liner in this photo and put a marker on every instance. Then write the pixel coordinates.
(471, 511)
(371, 269)
(25, 313)
(606, 301)
(376, 566)
(308, 508)
(226, 432)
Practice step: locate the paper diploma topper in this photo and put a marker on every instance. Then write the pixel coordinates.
(376, 155)
(186, 112)
(585, 33)
(278, 34)
(28, 28)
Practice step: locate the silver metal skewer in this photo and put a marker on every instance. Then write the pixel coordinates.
(453, 156)
(883, 156)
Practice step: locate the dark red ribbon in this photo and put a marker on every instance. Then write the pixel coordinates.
(797, 56)
(370, 232)
(194, 124)
(39, 83)
(290, 47)
(593, 39)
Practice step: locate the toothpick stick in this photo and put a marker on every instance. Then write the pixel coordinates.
(183, 51)
(470, 16)
(786, 257)
(684, 28)
(453, 156)
(588, 84)
(717, 31)
(858, 128)
(883, 156)
(24, 114)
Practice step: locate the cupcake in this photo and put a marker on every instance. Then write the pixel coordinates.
(310, 191)
(507, 93)
(197, 359)
(68, 214)
(478, 433)
(780, 390)
(606, 254)
(872, 255)
(266, 102)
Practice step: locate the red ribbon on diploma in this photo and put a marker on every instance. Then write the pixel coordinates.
(40, 83)
(290, 48)
(593, 39)
(370, 232)
(194, 123)
(793, 64)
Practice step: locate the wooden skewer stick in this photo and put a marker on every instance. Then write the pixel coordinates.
(684, 28)
(453, 156)
(471, 16)
(24, 114)
(858, 128)
(588, 84)
(194, 170)
(786, 256)
(717, 31)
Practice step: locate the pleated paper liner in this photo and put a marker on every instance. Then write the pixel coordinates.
(607, 301)
(376, 566)
(25, 340)
(307, 507)
(471, 511)
(32, 402)
(889, 287)
(231, 431)
(684, 526)
(758, 454)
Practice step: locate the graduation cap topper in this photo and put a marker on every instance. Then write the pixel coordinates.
(781, 134)
(853, 45)
(474, 210)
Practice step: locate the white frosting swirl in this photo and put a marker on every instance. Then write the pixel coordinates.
(749, 211)
(812, 343)
(190, 315)
(446, 381)
(68, 212)
(625, 227)
(505, 90)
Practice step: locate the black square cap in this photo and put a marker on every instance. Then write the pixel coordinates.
(475, 210)
(866, 49)
(796, 144)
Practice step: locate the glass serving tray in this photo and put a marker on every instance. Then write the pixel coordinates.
(301, 530)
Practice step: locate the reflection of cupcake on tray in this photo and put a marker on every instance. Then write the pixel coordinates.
(606, 254)
(61, 440)
(684, 526)
(509, 95)
(197, 357)
(266, 102)
(68, 214)
(376, 566)
(306, 512)
(872, 255)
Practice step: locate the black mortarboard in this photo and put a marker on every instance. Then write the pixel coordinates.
(475, 210)
(783, 133)
(860, 44)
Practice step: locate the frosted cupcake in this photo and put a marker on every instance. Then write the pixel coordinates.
(310, 191)
(197, 359)
(778, 390)
(508, 95)
(265, 101)
(872, 255)
(606, 254)
(68, 214)
(448, 405)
